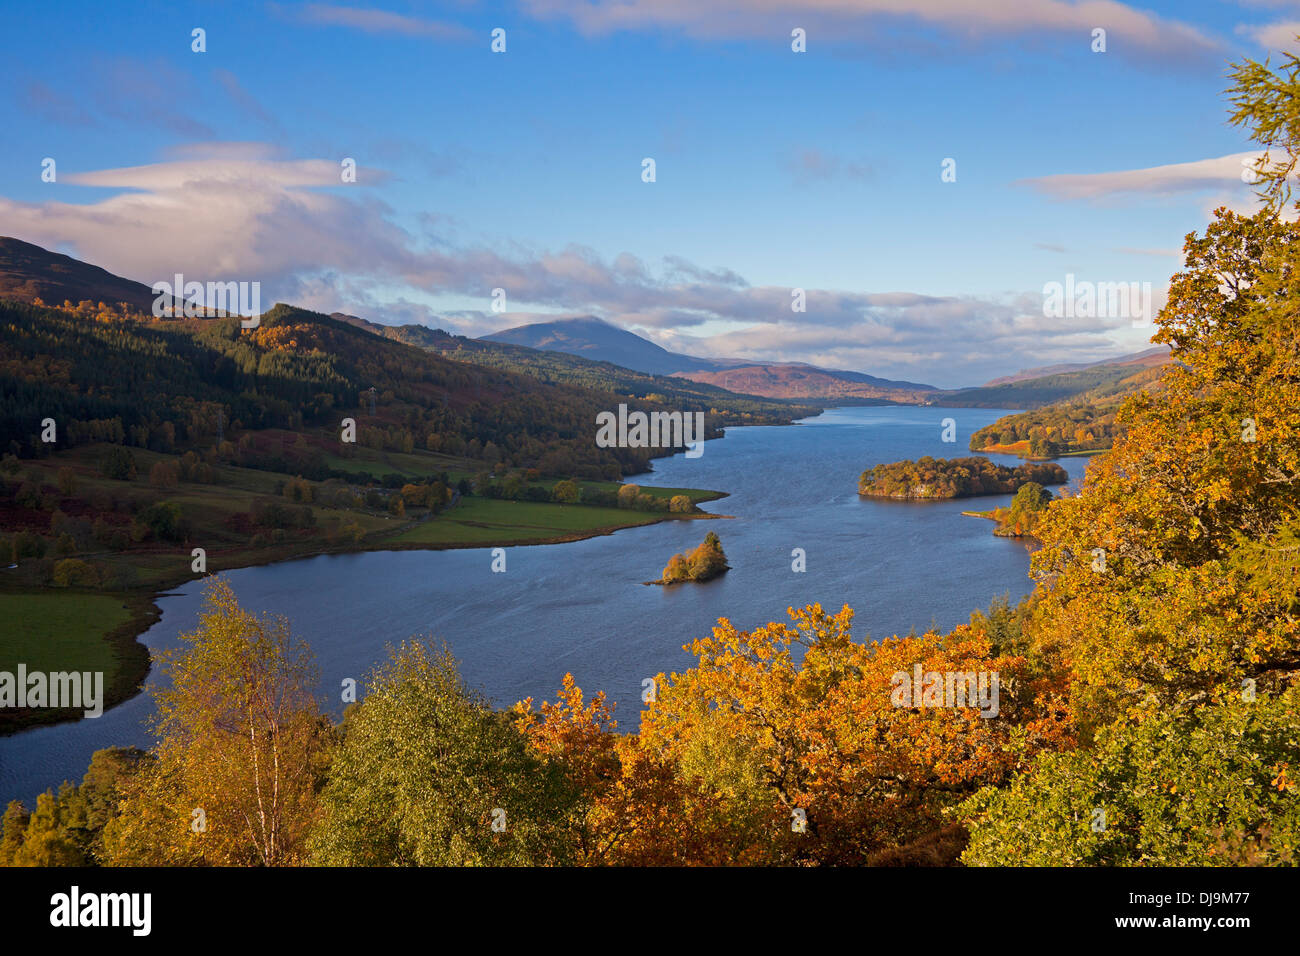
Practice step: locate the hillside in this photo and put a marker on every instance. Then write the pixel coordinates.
(557, 367)
(163, 384)
(1100, 380)
(798, 381)
(1157, 355)
(597, 340)
(1083, 424)
(28, 272)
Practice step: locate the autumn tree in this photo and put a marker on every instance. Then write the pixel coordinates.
(1168, 585)
(13, 828)
(241, 748)
(677, 569)
(633, 805)
(795, 730)
(708, 559)
(46, 840)
(1172, 615)
(1196, 502)
(565, 492)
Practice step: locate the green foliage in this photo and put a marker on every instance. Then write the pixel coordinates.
(1085, 423)
(157, 385)
(423, 765)
(161, 520)
(1021, 518)
(1267, 103)
(1044, 390)
(1217, 786)
(1004, 626)
(239, 738)
(118, 463)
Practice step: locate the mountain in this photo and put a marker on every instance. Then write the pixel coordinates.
(128, 374)
(590, 353)
(28, 272)
(1095, 381)
(1148, 358)
(797, 380)
(167, 384)
(562, 368)
(596, 339)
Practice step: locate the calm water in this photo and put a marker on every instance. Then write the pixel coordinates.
(582, 607)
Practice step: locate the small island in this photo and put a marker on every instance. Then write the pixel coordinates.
(933, 478)
(704, 563)
(1020, 519)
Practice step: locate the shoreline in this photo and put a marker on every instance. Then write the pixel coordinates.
(137, 662)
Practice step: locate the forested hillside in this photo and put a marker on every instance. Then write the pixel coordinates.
(1083, 424)
(560, 368)
(171, 384)
(1097, 381)
(28, 272)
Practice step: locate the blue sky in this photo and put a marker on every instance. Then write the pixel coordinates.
(522, 170)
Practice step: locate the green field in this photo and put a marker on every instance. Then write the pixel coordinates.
(67, 631)
(484, 520)
(51, 632)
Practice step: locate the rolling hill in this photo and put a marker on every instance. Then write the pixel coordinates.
(170, 384)
(595, 339)
(590, 353)
(560, 367)
(1098, 381)
(28, 272)
(796, 380)
(1081, 424)
(1158, 355)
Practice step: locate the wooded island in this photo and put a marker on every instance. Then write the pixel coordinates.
(953, 478)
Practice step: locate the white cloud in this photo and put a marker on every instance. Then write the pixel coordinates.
(1129, 30)
(1200, 175)
(237, 211)
(1274, 36)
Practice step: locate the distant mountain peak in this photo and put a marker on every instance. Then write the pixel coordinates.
(594, 338)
